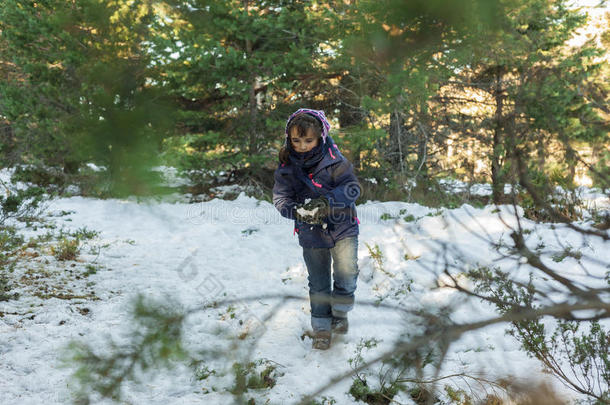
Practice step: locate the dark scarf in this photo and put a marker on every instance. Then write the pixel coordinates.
(302, 163)
(309, 159)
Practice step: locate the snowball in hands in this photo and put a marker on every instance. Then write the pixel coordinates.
(313, 211)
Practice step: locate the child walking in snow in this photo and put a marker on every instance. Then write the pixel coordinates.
(315, 185)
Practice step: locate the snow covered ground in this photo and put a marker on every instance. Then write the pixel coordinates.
(215, 250)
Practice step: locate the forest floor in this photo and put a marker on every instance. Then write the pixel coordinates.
(198, 253)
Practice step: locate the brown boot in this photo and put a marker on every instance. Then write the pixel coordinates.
(339, 325)
(321, 340)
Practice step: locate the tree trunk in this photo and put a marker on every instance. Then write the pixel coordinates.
(252, 101)
(350, 114)
(572, 161)
(394, 154)
(541, 152)
(422, 150)
(497, 179)
(253, 114)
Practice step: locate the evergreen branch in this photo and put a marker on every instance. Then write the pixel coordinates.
(453, 332)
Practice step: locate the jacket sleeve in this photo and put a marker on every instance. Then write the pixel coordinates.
(347, 189)
(284, 197)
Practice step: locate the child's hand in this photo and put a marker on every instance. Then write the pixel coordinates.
(313, 212)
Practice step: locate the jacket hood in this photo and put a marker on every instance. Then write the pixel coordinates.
(319, 114)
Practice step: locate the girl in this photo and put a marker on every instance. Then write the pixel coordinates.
(315, 185)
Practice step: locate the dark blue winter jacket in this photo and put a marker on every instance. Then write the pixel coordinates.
(333, 177)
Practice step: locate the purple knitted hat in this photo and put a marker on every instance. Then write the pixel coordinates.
(319, 114)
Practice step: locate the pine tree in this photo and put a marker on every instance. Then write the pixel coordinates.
(238, 68)
(80, 88)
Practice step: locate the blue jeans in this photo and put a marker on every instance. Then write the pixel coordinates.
(326, 303)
